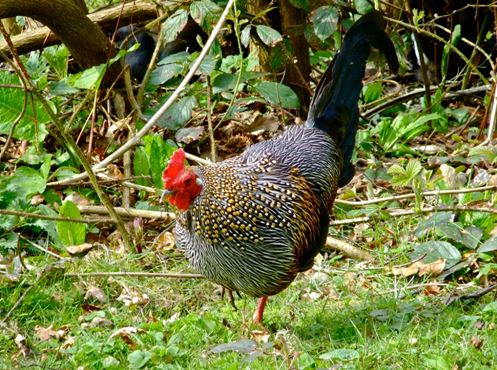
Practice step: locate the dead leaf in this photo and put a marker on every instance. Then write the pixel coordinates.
(48, 333)
(126, 334)
(133, 297)
(165, 242)
(69, 342)
(188, 135)
(96, 294)
(476, 342)
(101, 322)
(74, 250)
(263, 124)
(419, 268)
(431, 289)
(20, 341)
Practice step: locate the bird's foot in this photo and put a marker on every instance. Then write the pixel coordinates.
(230, 296)
(259, 311)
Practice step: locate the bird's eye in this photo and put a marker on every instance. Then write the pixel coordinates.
(188, 181)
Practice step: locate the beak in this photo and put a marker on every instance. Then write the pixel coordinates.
(164, 194)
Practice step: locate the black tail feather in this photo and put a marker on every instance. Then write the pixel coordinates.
(334, 108)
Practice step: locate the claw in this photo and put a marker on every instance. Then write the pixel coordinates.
(231, 299)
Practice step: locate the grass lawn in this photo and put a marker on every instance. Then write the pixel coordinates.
(342, 315)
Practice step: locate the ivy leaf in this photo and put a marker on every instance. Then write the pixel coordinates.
(277, 93)
(268, 35)
(71, 233)
(324, 20)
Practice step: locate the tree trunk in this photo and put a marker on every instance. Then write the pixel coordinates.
(68, 21)
(298, 67)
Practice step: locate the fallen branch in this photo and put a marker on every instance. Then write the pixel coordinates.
(129, 212)
(347, 249)
(423, 210)
(413, 195)
(39, 38)
(169, 275)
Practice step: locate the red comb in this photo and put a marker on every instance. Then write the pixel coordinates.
(176, 164)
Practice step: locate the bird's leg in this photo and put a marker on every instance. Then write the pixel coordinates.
(259, 311)
(230, 297)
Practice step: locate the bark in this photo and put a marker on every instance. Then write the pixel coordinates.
(68, 23)
(298, 67)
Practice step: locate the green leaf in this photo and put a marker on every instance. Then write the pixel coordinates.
(324, 20)
(48, 226)
(139, 359)
(490, 307)
(363, 6)
(207, 66)
(178, 113)
(26, 182)
(268, 35)
(174, 24)
(71, 233)
(57, 57)
(157, 164)
(140, 165)
(489, 246)
(372, 91)
(204, 11)
(32, 125)
(277, 93)
(342, 354)
(163, 73)
(110, 362)
(301, 4)
(245, 36)
(433, 250)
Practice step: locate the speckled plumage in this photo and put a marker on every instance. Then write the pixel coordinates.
(259, 218)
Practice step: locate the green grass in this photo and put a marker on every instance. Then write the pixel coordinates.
(338, 315)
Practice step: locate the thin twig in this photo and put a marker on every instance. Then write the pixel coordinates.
(493, 117)
(209, 120)
(445, 42)
(129, 212)
(413, 195)
(42, 249)
(423, 210)
(153, 120)
(136, 274)
(11, 212)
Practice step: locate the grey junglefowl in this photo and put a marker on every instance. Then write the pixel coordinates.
(251, 223)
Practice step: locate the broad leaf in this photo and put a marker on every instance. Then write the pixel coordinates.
(433, 250)
(277, 93)
(324, 20)
(174, 24)
(71, 233)
(268, 35)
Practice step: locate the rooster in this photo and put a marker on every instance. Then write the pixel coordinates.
(251, 223)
